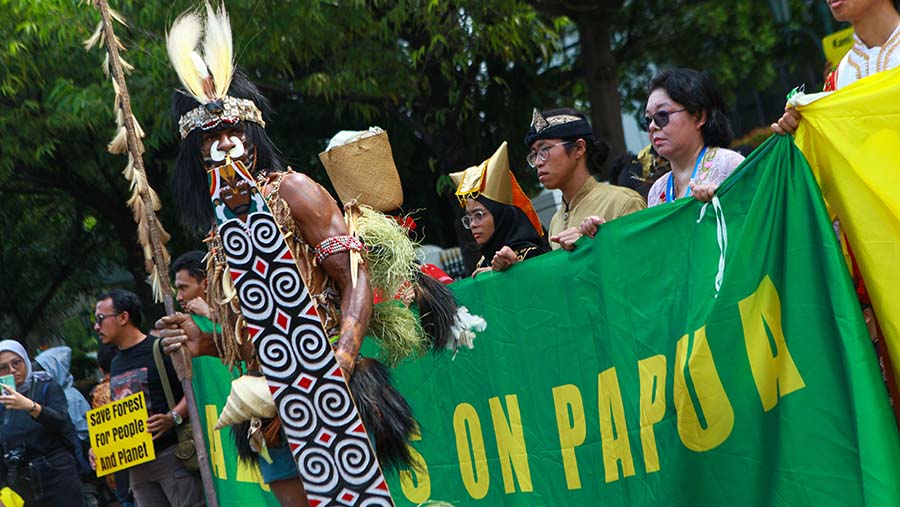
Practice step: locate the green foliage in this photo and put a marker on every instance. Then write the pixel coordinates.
(448, 80)
(732, 41)
(426, 71)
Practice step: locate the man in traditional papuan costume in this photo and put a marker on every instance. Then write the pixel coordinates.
(227, 168)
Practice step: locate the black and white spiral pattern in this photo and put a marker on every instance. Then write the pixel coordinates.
(334, 405)
(317, 469)
(354, 458)
(299, 416)
(275, 351)
(256, 299)
(286, 286)
(316, 409)
(313, 350)
(236, 243)
(377, 501)
(266, 236)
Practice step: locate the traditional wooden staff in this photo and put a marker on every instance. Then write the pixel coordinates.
(144, 203)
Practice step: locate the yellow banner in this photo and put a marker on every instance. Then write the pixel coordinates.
(119, 435)
(836, 45)
(851, 140)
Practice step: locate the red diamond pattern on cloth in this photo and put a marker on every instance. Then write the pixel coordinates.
(305, 382)
(253, 330)
(379, 487)
(347, 497)
(261, 267)
(282, 320)
(336, 373)
(325, 437)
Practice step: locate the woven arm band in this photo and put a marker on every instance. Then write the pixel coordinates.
(335, 245)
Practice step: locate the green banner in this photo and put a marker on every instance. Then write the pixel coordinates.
(237, 484)
(646, 368)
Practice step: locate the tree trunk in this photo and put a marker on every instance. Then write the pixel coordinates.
(602, 82)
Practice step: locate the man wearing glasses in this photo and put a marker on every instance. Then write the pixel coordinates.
(164, 481)
(565, 155)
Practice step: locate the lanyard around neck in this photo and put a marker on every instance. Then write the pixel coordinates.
(670, 186)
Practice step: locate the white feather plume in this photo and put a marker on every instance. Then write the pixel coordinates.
(200, 65)
(96, 38)
(217, 48)
(181, 41)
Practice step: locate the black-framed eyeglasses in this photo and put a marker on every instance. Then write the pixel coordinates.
(16, 364)
(475, 218)
(543, 153)
(660, 118)
(98, 318)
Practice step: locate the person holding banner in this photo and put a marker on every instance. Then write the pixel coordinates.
(685, 119)
(876, 37)
(164, 481)
(566, 155)
(37, 437)
(502, 220)
(876, 25)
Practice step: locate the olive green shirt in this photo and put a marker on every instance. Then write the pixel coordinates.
(595, 198)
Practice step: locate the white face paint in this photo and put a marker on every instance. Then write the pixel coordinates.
(238, 150)
(218, 155)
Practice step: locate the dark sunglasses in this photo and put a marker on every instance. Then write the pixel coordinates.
(99, 318)
(661, 118)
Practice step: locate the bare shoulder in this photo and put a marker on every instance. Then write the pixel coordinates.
(312, 208)
(299, 183)
(303, 193)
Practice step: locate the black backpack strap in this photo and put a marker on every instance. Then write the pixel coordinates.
(163, 374)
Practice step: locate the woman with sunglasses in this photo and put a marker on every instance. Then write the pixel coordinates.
(500, 216)
(37, 437)
(685, 119)
(686, 122)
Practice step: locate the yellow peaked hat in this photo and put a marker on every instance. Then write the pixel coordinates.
(493, 179)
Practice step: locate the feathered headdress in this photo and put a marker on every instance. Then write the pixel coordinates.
(207, 78)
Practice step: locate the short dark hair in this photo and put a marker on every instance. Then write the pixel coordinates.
(193, 262)
(596, 150)
(125, 301)
(697, 92)
(105, 355)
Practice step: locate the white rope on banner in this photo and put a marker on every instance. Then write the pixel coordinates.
(721, 236)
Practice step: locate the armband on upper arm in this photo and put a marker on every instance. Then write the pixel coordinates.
(337, 244)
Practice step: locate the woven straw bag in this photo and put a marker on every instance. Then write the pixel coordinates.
(364, 170)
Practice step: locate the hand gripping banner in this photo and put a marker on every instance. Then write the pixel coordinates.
(326, 436)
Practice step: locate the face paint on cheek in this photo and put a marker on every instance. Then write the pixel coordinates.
(238, 150)
(215, 154)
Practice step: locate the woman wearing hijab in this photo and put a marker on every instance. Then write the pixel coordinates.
(36, 434)
(503, 233)
(499, 214)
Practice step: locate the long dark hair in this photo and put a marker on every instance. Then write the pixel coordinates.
(189, 183)
(697, 92)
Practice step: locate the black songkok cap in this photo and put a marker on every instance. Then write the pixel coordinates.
(559, 124)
